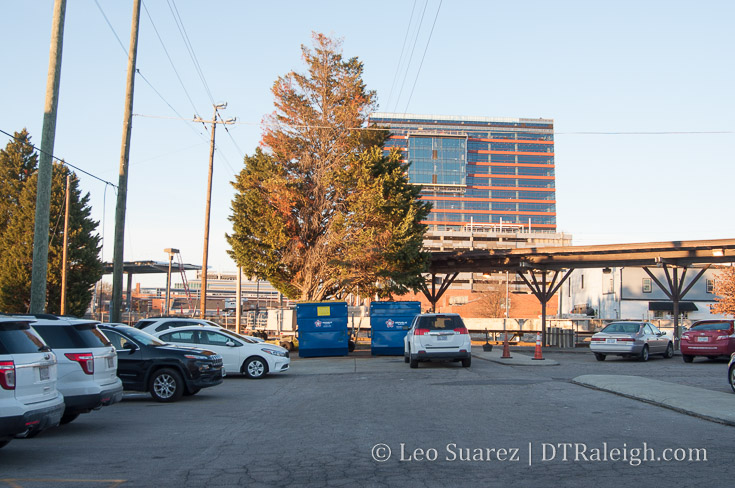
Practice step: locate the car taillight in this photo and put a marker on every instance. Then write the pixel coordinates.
(685, 338)
(7, 375)
(597, 339)
(421, 331)
(626, 339)
(722, 337)
(461, 330)
(85, 360)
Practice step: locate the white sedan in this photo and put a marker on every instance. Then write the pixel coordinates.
(239, 353)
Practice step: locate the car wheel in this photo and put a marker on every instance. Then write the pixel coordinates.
(166, 385)
(466, 363)
(255, 368)
(644, 354)
(287, 346)
(669, 351)
(414, 363)
(406, 355)
(732, 377)
(350, 346)
(405, 359)
(600, 357)
(687, 358)
(68, 417)
(192, 391)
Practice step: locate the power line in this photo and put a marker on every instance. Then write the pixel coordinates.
(59, 159)
(173, 66)
(400, 58)
(424, 55)
(189, 46)
(137, 71)
(408, 65)
(112, 28)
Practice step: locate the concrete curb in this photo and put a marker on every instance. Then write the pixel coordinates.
(709, 405)
(515, 360)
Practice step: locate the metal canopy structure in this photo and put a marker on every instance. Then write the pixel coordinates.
(544, 269)
(145, 267)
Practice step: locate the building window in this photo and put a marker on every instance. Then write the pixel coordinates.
(582, 282)
(710, 286)
(647, 288)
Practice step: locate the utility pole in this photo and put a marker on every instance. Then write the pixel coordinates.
(205, 257)
(65, 261)
(45, 166)
(122, 191)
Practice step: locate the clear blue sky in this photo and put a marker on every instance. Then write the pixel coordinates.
(602, 66)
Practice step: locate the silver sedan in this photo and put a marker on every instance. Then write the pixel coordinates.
(631, 339)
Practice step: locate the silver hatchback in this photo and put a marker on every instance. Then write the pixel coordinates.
(631, 339)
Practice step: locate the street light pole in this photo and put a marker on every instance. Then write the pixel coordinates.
(171, 253)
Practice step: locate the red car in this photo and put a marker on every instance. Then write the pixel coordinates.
(708, 338)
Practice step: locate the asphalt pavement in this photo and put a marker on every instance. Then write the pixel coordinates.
(698, 402)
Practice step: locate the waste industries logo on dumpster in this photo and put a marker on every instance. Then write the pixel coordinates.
(324, 325)
(390, 324)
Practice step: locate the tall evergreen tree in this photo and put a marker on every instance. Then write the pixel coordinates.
(321, 212)
(16, 237)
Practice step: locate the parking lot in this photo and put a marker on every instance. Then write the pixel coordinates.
(362, 421)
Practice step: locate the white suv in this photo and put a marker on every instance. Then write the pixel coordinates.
(29, 400)
(87, 363)
(440, 336)
(158, 324)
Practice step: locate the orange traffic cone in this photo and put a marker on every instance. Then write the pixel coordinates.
(538, 347)
(506, 349)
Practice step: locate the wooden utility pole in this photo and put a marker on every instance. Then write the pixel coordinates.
(45, 166)
(64, 259)
(122, 187)
(205, 257)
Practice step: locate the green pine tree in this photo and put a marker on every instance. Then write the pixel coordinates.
(322, 212)
(16, 238)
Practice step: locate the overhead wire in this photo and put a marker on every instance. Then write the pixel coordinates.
(400, 58)
(59, 159)
(408, 64)
(423, 56)
(171, 62)
(189, 46)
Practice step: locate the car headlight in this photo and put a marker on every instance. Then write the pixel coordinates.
(275, 352)
(196, 356)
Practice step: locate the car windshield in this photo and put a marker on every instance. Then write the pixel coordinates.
(712, 326)
(249, 340)
(142, 337)
(621, 328)
(440, 322)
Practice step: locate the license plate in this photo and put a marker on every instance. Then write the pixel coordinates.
(703, 339)
(611, 341)
(44, 373)
(441, 338)
(110, 362)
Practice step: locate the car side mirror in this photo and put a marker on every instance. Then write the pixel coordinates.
(130, 347)
(230, 344)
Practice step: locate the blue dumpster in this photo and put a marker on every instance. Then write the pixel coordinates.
(389, 322)
(322, 329)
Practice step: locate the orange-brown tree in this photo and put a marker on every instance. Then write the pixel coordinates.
(319, 210)
(725, 291)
